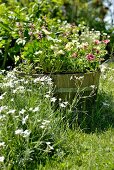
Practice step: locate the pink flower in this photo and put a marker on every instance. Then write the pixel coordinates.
(74, 55)
(90, 57)
(97, 42)
(106, 41)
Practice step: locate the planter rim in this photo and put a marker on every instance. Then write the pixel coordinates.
(52, 74)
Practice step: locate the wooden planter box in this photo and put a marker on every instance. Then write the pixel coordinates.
(67, 86)
(70, 86)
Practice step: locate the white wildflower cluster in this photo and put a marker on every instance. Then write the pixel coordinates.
(13, 82)
(36, 109)
(43, 80)
(22, 133)
(9, 83)
(19, 89)
(11, 75)
(11, 111)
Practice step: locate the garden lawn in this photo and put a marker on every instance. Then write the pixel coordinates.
(87, 152)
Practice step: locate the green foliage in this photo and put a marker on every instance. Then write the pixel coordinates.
(65, 48)
(38, 23)
(15, 26)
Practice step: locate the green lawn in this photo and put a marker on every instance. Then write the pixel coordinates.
(87, 152)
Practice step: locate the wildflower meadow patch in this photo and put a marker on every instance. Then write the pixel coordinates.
(27, 121)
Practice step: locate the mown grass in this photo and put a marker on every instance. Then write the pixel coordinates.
(46, 140)
(87, 152)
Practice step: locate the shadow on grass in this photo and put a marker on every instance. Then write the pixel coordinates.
(98, 117)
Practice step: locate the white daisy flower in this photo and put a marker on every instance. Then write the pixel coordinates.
(26, 133)
(2, 158)
(19, 132)
(36, 109)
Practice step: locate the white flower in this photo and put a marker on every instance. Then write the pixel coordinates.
(104, 77)
(21, 89)
(79, 78)
(63, 105)
(38, 52)
(60, 52)
(42, 126)
(106, 104)
(22, 111)
(103, 67)
(46, 31)
(37, 80)
(53, 99)
(49, 146)
(26, 82)
(36, 109)
(3, 108)
(71, 78)
(11, 112)
(47, 96)
(2, 117)
(2, 144)
(1, 97)
(92, 86)
(14, 91)
(26, 133)
(45, 122)
(24, 119)
(2, 158)
(9, 84)
(29, 90)
(19, 132)
(12, 100)
(30, 109)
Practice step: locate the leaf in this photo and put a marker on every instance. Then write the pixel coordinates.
(2, 43)
(5, 26)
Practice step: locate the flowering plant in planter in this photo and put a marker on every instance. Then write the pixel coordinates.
(65, 48)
